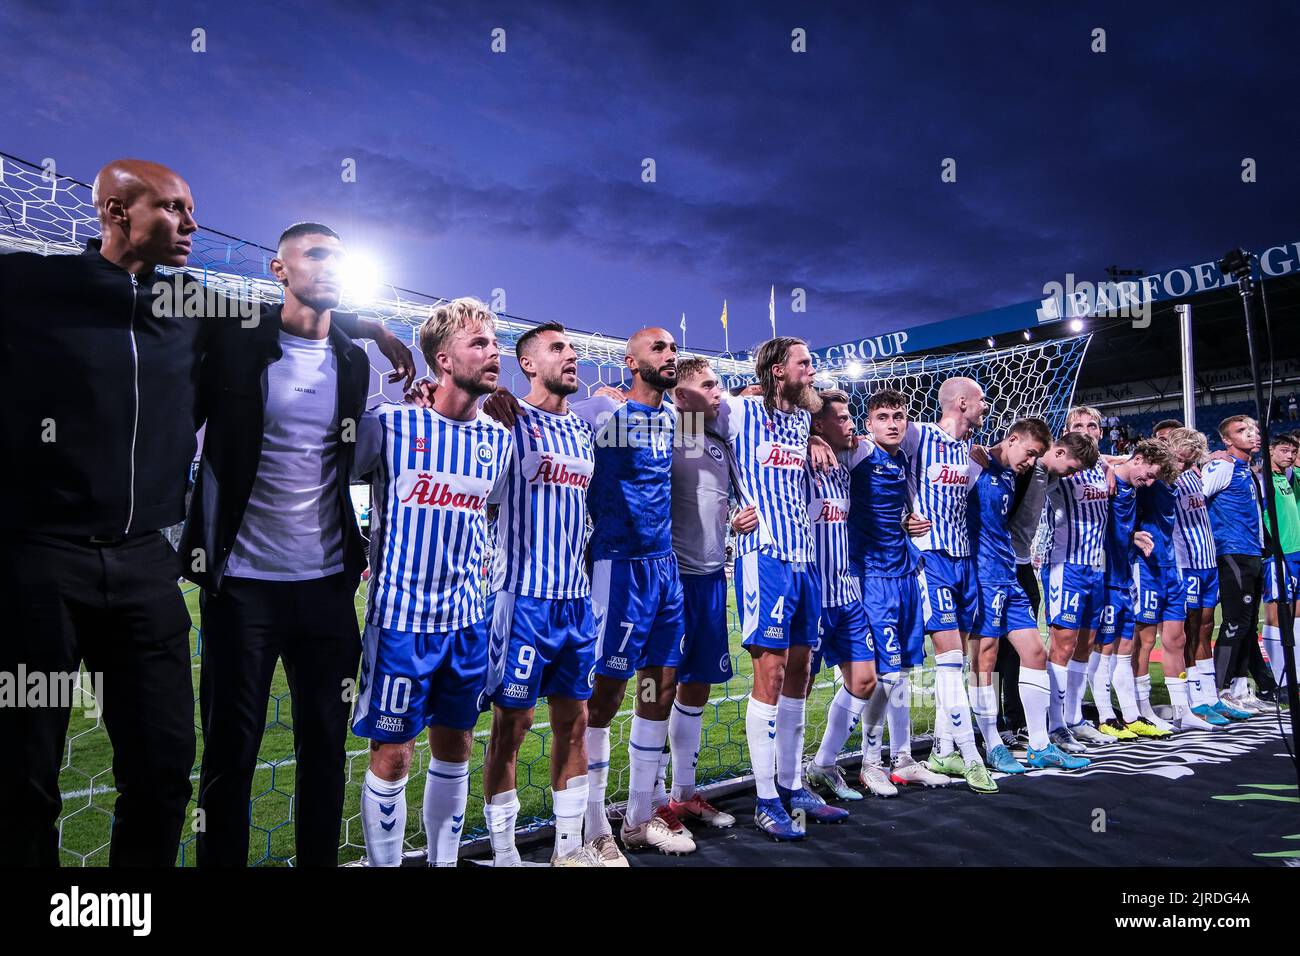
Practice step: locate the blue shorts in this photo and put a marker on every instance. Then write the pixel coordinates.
(893, 609)
(780, 602)
(950, 592)
(1004, 608)
(1116, 617)
(1158, 594)
(1200, 588)
(1075, 596)
(1270, 577)
(843, 636)
(707, 659)
(639, 618)
(540, 647)
(412, 679)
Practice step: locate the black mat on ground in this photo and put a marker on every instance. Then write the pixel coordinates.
(1199, 799)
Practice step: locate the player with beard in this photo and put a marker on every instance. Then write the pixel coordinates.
(543, 631)
(939, 458)
(636, 592)
(425, 647)
(777, 590)
(1005, 611)
(1110, 659)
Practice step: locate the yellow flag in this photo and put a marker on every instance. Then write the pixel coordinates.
(724, 313)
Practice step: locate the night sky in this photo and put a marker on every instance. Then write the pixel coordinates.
(820, 170)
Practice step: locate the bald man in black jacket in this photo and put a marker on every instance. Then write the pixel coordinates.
(98, 370)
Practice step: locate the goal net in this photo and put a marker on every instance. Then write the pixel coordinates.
(49, 214)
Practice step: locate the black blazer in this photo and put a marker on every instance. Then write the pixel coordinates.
(232, 399)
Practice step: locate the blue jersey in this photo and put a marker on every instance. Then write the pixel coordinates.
(541, 529)
(431, 480)
(1193, 536)
(878, 499)
(986, 516)
(829, 509)
(1119, 535)
(1077, 509)
(770, 448)
(631, 491)
(940, 478)
(1157, 514)
(1233, 496)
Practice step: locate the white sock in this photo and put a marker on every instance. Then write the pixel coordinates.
(984, 704)
(873, 720)
(660, 796)
(1177, 687)
(1126, 687)
(1274, 651)
(1142, 690)
(1035, 697)
(500, 814)
(1208, 680)
(1076, 678)
(383, 831)
(597, 779)
(843, 713)
(570, 807)
(943, 743)
(1099, 679)
(1195, 691)
(1239, 687)
(760, 734)
(446, 792)
(684, 728)
(1058, 682)
(789, 741)
(899, 715)
(1094, 662)
(644, 747)
(950, 688)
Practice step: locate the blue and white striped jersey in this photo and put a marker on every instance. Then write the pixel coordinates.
(878, 500)
(1120, 552)
(770, 449)
(940, 481)
(631, 491)
(991, 495)
(1077, 510)
(1156, 510)
(828, 507)
(1193, 536)
(431, 478)
(541, 529)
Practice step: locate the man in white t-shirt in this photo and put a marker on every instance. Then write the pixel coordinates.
(272, 539)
